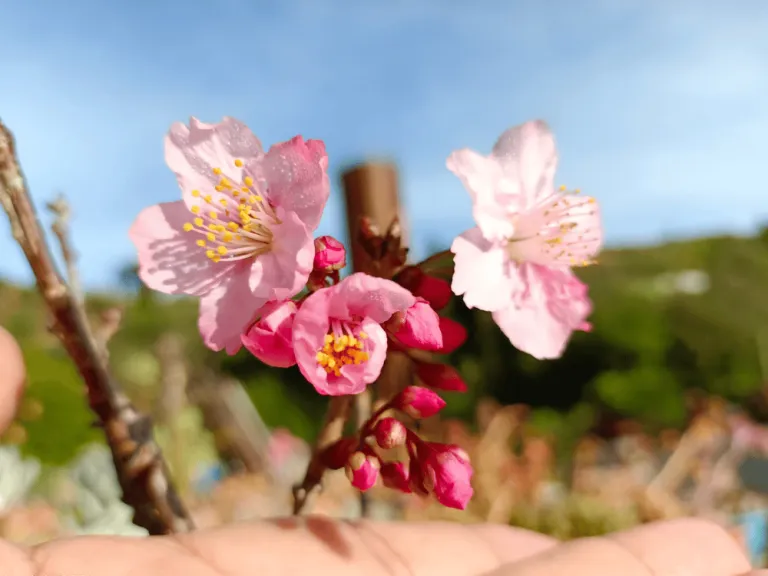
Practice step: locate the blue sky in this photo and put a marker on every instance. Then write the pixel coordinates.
(660, 107)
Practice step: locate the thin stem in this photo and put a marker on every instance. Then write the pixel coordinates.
(333, 427)
(141, 470)
(363, 414)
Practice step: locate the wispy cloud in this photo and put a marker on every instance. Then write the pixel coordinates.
(658, 105)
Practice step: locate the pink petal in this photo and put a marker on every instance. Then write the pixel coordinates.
(528, 156)
(491, 201)
(169, 260)
(193, 152)
(298, 180)
(543, 316)
(363, 296)
(421, 328)
(270, 338)
(227, 310)
(281, 273)
(481, 272)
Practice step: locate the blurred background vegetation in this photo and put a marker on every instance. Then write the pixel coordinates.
(668, 320)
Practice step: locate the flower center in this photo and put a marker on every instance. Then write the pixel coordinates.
(343, 345)
(557, 230)
(234, 222)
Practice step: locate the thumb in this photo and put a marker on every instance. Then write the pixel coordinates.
(12, 378)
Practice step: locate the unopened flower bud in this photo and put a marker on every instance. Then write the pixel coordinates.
(395, 475)
(440, 377)
(390, 432)
(421, 327)
(447, 473)
(330, 254)
(362, 470)
(418, 402)
(434, 290)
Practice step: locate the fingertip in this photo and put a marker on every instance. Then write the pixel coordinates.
(12, 378)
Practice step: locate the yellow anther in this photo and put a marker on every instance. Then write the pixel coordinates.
(219, 188)
(198, 221)
(232, 226)
(211, 236)
(362, 335)
(196, 193)
(217, 171)
(208, 199)
(201, 243)
(258, 198)
(216, 258)
(562, 188)
(248, 181)
(221, 250)
(238, 162)
(223, 201)
(213, 215)
(235, 193)
(188, 227)
(211, 254)
(227, 237)
(243, 200)
(195, 209)
(244, 189)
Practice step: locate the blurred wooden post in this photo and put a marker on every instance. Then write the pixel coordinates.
(371, 190)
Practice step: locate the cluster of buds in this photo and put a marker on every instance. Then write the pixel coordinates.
(439, 470)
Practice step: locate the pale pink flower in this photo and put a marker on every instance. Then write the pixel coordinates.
(270, 338)
(338, 340)
(516, 262)
(362, 470)
(242, 233)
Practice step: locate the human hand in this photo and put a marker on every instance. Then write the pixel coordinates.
(323, 546)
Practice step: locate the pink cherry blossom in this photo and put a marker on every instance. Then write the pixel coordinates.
(516, 262)
(338, 340)
(420, 327)
(362, 470)
(270, 338)
(242, 233)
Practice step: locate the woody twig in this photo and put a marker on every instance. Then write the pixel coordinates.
(141, 469)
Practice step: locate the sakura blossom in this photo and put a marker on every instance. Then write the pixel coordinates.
(516, 263)
(338, 339)
(242, 234)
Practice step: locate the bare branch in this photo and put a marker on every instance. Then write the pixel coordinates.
(140, 467)
(60, 227)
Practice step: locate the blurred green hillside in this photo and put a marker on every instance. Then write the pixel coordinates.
(668, 319)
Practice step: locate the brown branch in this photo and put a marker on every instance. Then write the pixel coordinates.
(60, 227)
(333, 427)
(141, 470)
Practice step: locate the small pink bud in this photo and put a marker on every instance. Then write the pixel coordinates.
(440, 377)
(418, 402)
(395, 475)
(330, 254)
(390, 432)
(447, 474)
(454, 335)
(270, 338)
(421, 327)
(363, 470)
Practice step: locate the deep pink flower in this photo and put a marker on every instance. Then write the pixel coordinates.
(525, 231)
(338, 340)
(446, 472)
(390, 432)
(418, 402)
(362, 470)
(270, 338)
(434, 290)
(395, 475)
(420, 327)
(330, 255)
(440, 377)
(242, 233)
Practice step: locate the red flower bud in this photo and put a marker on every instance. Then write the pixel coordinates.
(440, 377)
(363, 470)
(395, 475)
(418, 402)
(330, 254)
(436, 291)
(447, 473)
(390, 432)
(453, 333)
